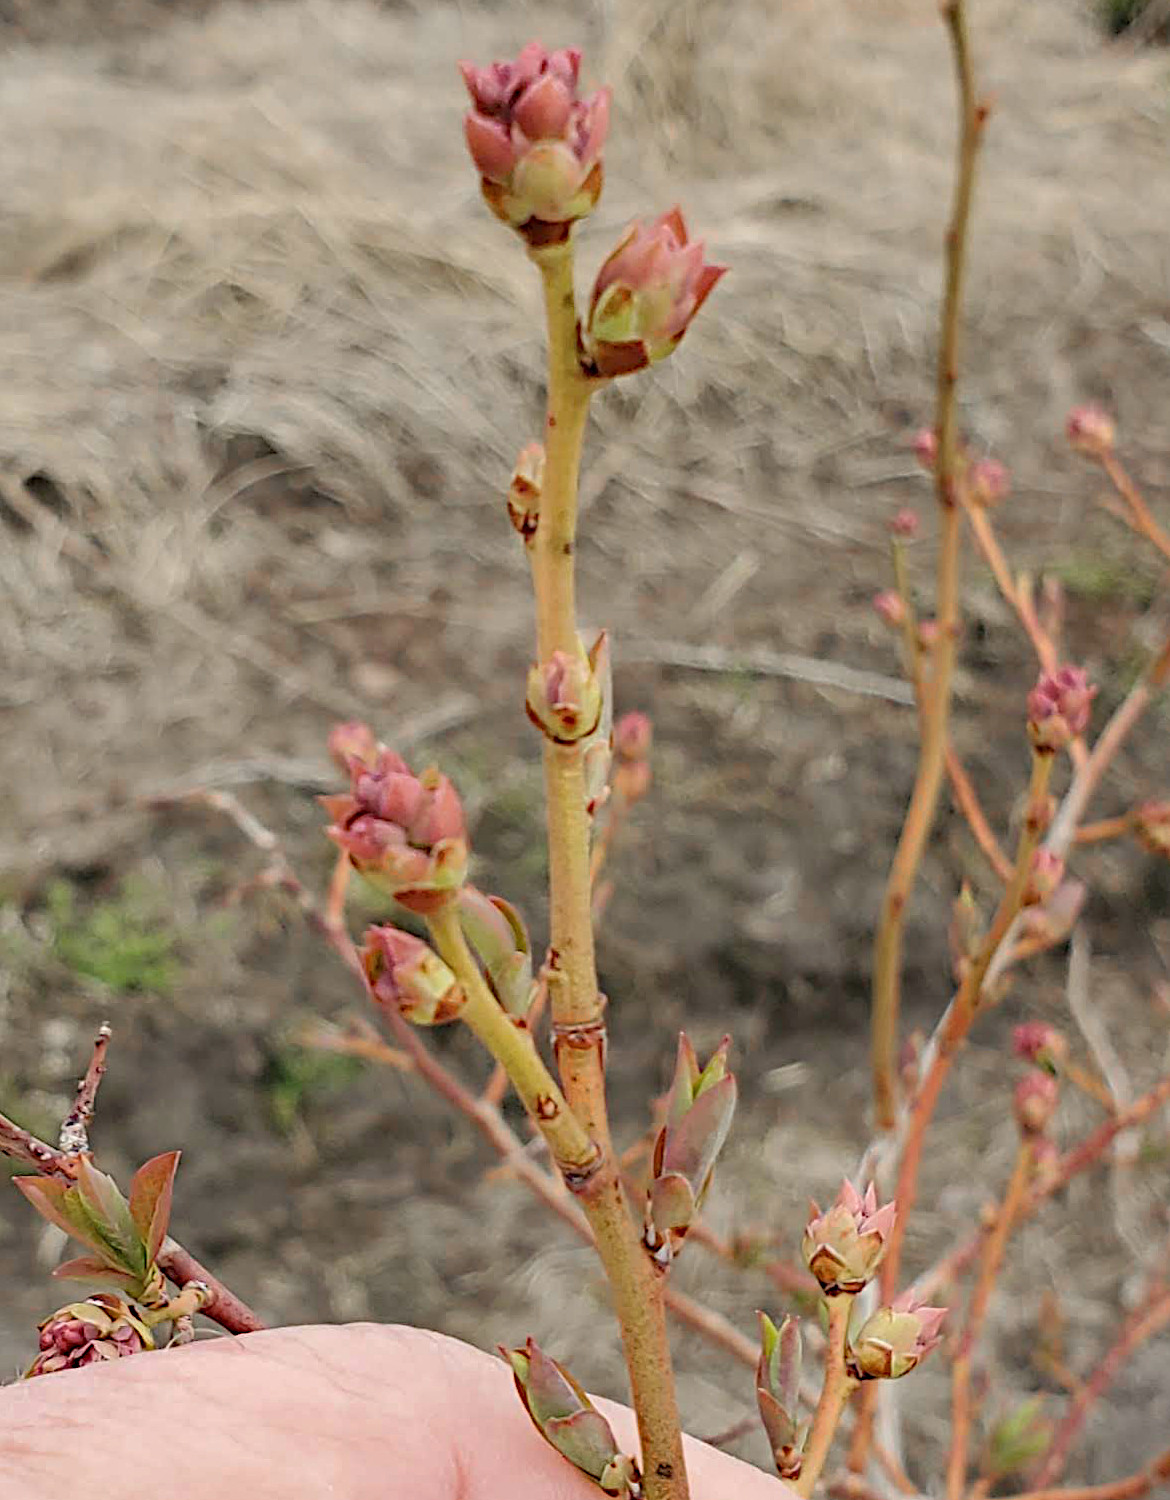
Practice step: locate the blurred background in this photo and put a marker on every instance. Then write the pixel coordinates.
(266, 361)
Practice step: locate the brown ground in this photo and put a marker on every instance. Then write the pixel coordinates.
(266, 363)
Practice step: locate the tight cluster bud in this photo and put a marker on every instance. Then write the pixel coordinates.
(537, 146)
(895, 1339)
(403, 832)
(844, 1246)
(1090, 430)
(646, 295)
(1059, 707)
(103, 1327)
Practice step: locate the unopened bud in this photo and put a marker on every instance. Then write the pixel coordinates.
(890, 608)
(926, 448)
(525, 490)
(844, 1246)
(565, 697)
(352, 742)
(404, 973)
(778, 1393)
(905, 524)
(1035, 1101)
(1059, 707)
(1040, 1044)
(895, 1339)
(1090, 430)
(987, 482)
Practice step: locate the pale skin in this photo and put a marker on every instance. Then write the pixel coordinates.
(363, 1412)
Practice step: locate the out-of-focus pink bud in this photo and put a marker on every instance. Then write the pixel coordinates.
(404, 973)
(525, 490)
(988, 482)
(404, 833)
(1152, 826)
(537, 146)
(350, 742)
(1059, 707)
(896, 1338)
(84, 1333)
(633, 734)
(890, 608)
(1035, 1101)
(926, 448)
(646, 295)
(905, 524)
(1044, 877)
(1090, 430)
(844, 1246)
(928, 633)
(1040, 1044)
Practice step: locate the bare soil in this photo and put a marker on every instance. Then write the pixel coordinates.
(266, 362)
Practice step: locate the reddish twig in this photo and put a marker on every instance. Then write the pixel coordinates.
(1149, 1478)
(1140, 515)
(1142, 1323)
(74, 1136)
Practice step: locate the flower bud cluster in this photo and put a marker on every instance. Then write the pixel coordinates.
(633, 735)
(844, 1246)
(536, 144)
(103, 1327)
(1059, 707)
(406, 975)
(403, 832)
(1090, 430)
(895, 1339)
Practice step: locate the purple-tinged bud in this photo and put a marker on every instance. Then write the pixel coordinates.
(103, 1327)
(1090, 430)
(844, 1246)
(646, 295)
(633, 734)
(525, 490)
(988, 482)
(565, 696)
(1041, 1045)
(1152, 826)
(536, 145)
(1035, 1101)
(1059, 707)
(566, 1418)
(926, 448)
(405, 974)
(1044, 878)
(778, 1393)
(890, 608)
(905, 524)
(405, 833)
(896, 1339)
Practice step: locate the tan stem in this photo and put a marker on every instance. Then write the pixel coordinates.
(887, 969)
(838, 1386)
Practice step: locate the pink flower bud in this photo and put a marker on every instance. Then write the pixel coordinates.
(844, 1246)
(1040, 1044)
(352, 741)
(987, 482)
(646, 295)
(406, 833)
(905, 524)
(896, 1339)
(404, 973)
(633, 735)
(1035, 1101)
(1059, 707)
(889, 608)
(565, 696)
(1044, 877)
(926, 448)
(1090, 430)
(103, 1327)
(537, 146)
(928, 633)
